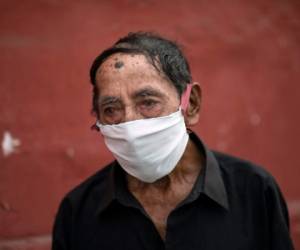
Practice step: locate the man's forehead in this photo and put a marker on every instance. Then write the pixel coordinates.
(119, 62)
(128, 68)
(130, 72)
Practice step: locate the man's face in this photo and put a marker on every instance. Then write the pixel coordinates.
(131, 88)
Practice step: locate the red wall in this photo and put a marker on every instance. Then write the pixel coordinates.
(245, 54)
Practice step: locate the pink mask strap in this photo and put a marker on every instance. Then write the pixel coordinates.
(186, 97)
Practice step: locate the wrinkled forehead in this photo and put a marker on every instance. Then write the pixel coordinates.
(131, 69)
(121, 63)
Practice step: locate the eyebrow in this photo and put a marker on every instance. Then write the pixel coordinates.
(147, 91)
(108, 100)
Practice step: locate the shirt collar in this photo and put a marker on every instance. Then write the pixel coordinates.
(108, 195)
(209, 182)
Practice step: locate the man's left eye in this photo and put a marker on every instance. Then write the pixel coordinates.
(149, 103)
(149, 108)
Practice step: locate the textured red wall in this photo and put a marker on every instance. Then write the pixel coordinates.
(245, 54)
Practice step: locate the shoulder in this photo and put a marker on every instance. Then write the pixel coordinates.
(248, 182)
(254, 193)
(94, 186)
(242, 172)
(79, 207)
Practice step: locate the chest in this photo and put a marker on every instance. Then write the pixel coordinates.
(196, 226)
(159, 205)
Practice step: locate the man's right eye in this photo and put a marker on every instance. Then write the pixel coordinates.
(109, 111)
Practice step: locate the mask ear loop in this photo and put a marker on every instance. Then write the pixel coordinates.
(185, 97)
(95, 127)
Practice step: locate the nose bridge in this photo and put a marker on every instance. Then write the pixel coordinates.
(130, 113)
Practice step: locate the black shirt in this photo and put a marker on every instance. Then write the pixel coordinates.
(233, 205)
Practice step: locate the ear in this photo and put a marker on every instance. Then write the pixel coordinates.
(192, 113)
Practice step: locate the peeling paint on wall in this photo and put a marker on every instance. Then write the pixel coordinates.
(33, 242)
(9, 144)
(255, 119)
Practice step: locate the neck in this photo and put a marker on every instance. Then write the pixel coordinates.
(186, 171)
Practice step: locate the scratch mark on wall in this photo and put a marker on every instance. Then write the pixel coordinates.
(26, 242)
(9, 144)
(4, 205)
(294, 211)
(255, 119)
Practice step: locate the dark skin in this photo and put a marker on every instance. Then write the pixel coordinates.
(131, 89)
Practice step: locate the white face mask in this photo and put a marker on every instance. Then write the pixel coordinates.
(147, 149)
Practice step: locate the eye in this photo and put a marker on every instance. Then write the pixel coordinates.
(111, 115)
(149, 108)
(109, 111)
(149, 103)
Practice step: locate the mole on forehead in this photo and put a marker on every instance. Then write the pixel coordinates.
(119, 64)
(116, 62)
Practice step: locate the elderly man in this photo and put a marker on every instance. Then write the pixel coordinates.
(166, 189)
